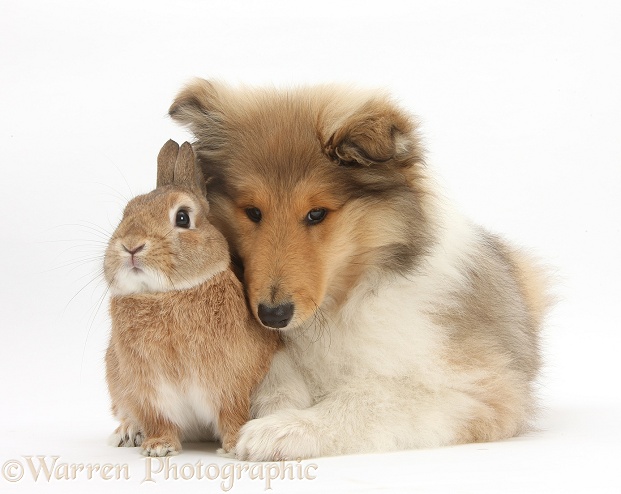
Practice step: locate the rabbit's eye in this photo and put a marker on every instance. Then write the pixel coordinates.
(182, 219)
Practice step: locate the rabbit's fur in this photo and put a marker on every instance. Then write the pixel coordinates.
(184, 353)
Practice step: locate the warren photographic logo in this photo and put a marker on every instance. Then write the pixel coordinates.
(47, 469)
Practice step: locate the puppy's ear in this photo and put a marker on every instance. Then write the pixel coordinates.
(378, 132)
(198, 107)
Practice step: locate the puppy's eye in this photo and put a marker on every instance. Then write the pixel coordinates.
(182, 220)
(315, 216)
(254, 214)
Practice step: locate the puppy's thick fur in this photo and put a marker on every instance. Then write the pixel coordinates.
(412, 327)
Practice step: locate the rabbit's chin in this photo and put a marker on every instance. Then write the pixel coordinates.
(130, 281)
(134, 281)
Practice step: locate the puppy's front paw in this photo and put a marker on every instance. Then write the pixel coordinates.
(159, 446)
(126, 435)
(281, 436)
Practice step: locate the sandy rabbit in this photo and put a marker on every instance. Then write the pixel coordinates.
(184, 354)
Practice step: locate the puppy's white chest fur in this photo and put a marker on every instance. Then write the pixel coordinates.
(191, 407)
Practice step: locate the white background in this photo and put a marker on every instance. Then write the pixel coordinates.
(520, 105)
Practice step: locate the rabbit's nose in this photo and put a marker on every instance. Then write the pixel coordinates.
(276, 316)
(135, 250)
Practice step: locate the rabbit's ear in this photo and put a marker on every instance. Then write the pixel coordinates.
(186, 171)
(166, 161)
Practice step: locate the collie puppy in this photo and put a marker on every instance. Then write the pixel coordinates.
(405, 325)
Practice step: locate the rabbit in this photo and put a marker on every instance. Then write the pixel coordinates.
(184, 354)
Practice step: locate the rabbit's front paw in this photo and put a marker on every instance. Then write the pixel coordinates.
(127, 435)
(226, 454)
(160, 446)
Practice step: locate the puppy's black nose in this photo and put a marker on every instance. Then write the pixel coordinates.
(276, 317)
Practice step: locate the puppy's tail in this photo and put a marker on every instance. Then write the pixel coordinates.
(535, 281)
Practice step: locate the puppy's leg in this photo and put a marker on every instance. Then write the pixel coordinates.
(386, 415)
(282, 388)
